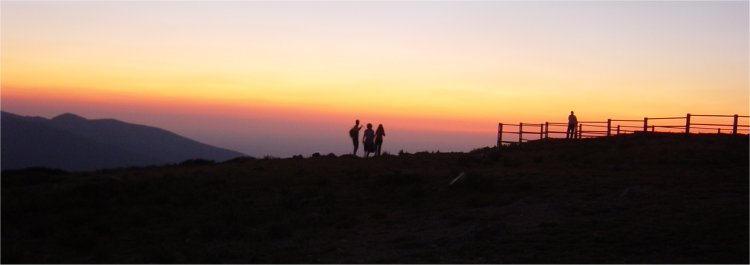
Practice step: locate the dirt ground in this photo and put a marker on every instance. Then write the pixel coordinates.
(656, 198)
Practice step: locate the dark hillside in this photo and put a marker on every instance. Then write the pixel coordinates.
(71, 142)
(625, 199)
(158, 145)
(28, 141)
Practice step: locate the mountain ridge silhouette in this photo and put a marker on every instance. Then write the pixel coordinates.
(72, 142)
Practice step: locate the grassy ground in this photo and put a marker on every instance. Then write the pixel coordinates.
(625, 199)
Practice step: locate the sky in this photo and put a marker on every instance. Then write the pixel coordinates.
(286, 78)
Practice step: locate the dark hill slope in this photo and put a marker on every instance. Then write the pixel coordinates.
(625, 199)
(71, 142)
(28, 142)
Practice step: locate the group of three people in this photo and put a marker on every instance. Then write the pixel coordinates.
(373, 140)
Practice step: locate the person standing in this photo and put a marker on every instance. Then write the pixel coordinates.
(368, 139)
(572, 126)
(354, 134)
(379, 134)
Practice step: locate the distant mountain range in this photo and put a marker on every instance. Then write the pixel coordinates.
(71, 142)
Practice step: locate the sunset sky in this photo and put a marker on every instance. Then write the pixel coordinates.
(285, 78)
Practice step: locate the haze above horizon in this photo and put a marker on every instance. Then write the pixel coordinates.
(286, 78)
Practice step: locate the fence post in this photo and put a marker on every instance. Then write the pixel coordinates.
(734, 126)
(653, 128)
(520, 133)
(618, 129)
(546, 130)
(718, 131)
(580, 130)
(609, 127)
(645, 124)
(687, 124)
(541, 131)
(499, 135)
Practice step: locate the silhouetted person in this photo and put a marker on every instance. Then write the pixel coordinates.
(572, 126)
(379, 133)
(354, 134)
(368, 139)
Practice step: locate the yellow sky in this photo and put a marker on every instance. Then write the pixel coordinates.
(477, 62)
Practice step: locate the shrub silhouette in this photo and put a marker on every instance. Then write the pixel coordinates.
(239, 160)
(196, 162)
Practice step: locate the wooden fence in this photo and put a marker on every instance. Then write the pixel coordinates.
(691, 123)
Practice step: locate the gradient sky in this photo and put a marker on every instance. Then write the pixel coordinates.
(285, 78)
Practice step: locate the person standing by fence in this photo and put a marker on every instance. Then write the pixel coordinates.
(572, 126)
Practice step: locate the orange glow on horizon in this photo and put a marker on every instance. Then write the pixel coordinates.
(425, 66)
(188, 107)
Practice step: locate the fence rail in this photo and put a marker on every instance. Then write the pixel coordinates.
(693, 123)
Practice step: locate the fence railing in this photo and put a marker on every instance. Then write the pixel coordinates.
(691, 123)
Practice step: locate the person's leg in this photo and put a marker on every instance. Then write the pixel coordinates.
(356, 146)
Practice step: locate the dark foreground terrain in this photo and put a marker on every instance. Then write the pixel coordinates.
(625, 199)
